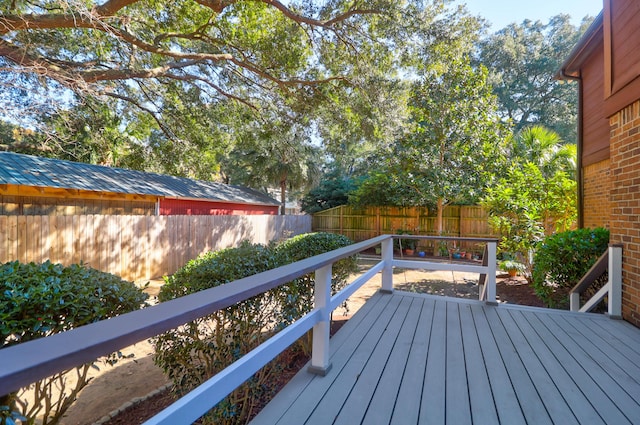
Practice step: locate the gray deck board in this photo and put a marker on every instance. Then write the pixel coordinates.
(598, 368)
(551, 397)
(394, 370)
(504, 396)
(580, 375)
(414, 359)
(529, 399)
(432, 409)
(409, 396)
(582, 410)
(479, 388)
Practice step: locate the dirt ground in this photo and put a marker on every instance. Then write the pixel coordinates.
(113, 389)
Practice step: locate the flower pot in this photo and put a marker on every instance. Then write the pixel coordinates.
(409, 251)
(422, 254)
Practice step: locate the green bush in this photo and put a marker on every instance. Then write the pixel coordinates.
(38, 300)
(193, 353)
(563, 259)
(198, 350)
(297, 296)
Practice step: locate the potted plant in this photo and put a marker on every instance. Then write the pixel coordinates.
(512, 267)
(443, 249)
(409, 246)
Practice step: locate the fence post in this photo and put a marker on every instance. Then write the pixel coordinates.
(615, 280)
(387, 271)
(322, 296)
(491, 272)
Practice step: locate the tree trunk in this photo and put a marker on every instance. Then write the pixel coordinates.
(283, 196)
(439, 225)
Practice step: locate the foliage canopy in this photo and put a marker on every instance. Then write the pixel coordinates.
(38, 300)
(563, 259)
(522, 60)
(199, 349)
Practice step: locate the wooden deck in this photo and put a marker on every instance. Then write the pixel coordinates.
(419, 359)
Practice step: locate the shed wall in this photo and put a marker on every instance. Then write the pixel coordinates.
(192, 207)
(33, 205)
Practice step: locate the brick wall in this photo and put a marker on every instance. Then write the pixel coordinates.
(596, 195)
(625, 203)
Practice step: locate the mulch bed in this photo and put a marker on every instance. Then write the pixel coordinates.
(513, 290)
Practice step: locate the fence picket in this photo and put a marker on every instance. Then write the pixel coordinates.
(365, 223)
(135, 247)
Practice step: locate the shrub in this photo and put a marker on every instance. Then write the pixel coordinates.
(297, 296)
(191, 354)
(38, 300)
(198, 350)
(561, 261)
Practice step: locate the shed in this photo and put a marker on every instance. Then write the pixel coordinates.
(31, 185)
(606, 64)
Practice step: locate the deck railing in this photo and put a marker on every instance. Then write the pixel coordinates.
(23, 364)
(610, 261)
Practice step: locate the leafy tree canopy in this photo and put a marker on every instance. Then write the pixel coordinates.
(180, 87)
(332, 191)
(522, 60)
(453, 140)
(538, 194)
(165, 57)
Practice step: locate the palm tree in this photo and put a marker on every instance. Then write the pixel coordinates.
(280, 157)
(544, 148)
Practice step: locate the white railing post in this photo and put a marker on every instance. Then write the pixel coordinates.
(387, 271)
(491, 273)
(615, 280)
(574, 301)
(321, 331)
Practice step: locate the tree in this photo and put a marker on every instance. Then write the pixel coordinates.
(453, 136)
(149, 54)
(185, 79)
(524, 206)
(545, 149)
(280, 155)
(456, 134)
(332, 191)
(522, 60)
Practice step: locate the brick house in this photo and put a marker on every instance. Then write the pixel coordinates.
(606, 64)
(31, 185)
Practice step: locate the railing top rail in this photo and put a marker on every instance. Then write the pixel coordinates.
(22, 364)
(446, 238)
(598, 268)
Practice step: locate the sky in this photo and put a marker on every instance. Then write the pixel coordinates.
(503, 12)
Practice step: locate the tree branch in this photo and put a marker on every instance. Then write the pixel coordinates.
(315, 22)
(167, 131)
(191, 78)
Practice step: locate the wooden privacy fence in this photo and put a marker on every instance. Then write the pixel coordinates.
(135, 247)
(365, 223)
